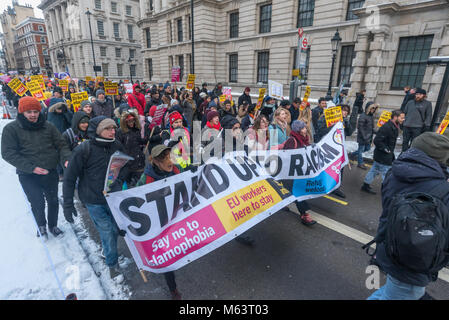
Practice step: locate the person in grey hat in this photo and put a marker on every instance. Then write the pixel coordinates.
(102, 106)
(418, 117)
(86, 106)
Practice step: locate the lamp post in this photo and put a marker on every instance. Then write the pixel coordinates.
(193, 37)
(335, 42)
(88, 13)
(130, 73)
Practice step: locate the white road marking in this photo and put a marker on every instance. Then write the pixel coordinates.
(355, 234)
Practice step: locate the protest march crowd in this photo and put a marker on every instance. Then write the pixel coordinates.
(69, 131)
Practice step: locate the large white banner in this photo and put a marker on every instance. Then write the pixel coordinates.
(175, 221)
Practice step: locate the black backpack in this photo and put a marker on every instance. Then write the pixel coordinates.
(417, 231)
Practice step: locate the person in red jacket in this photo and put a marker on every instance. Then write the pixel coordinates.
(137, 99)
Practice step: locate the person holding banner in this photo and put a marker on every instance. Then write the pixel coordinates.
(248, 119)
(278, 128)
(317, 112)
(299, 138)
(305, 115)
(89, 164)
(161, 167)
(258, 136)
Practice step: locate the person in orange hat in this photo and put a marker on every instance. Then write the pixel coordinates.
(35, 147)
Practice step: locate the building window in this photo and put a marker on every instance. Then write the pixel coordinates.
(306, 9)
(133, 70)
(120, 70)
(150, 69)
(411, 62)
(128, 10)
(45, 52)
(262, 66)
(116, 27)
(179, 26)
(98, 4)
(303, 70)
(105, 68)
(265, 18)
(353, 4)
(40, 28)
(234, 25)
(132, 53)
(103, 51)
(233, 67)
(345, 68)
(130, 32)
(100, 27)
(114, 7)
(181, 66)
(81, 52)
(118, 52)
(43, 40)
(148, 37)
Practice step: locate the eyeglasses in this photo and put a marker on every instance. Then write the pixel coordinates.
(110, 128)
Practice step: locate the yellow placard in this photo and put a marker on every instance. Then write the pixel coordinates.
(64, 85)
(77, 98)
(307, 94)
(384, 118)
(40, 79)
(35, 90)
(222, 98)
(18, 87)
(262, 92)
(190, 81)
(99, 79)
(89, 79)
(443, 125)
(296, 72)
(333, 115)
(111, 88)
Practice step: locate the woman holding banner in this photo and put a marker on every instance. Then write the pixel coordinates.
(258, 135)
(161, 167)
(299, 138)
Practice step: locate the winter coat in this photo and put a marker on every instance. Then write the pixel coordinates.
(137, 100)
(317, 112)
(385, 143)
(408, 97)
(365, 126)
(413, 171)
(152, 173)
(189, 108)
(418, 114)
(254, 141)
(27, 145)
(62, 121)
(323, 130)
(89, 168)
(73, 135)
(247, 122)
(296, 140)
(104, 108)
(132, 142)
(358, 103)
(278, 135)
(244, 97)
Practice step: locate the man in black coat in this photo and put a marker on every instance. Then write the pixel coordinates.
(89, 164)
(420, 169)
(245, 97)
(365, 132)
(385, 143)
(35, 147)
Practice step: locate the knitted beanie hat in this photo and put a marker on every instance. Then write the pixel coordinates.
(434, 145)
(106, 123)
(29, 103)
(298, 125)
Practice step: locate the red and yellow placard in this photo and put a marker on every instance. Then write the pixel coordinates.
(384, 118)
(307, 94)
(111, 88)
(190, 81)
(77, 98)
(35, 90)
(40, 79)
(18, 87)
(443, 124)
(64, 85)
(333, 115)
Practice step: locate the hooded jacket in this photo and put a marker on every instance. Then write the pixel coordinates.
(365, 125)
(103, 108)
(89, 168)
(385, 142)
(152, 173)
(62, 121)
(137, 100)
(132, 141)
(413, 171)
(73, 135)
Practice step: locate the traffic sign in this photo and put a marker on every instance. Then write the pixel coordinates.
(300, 32)
(304, 44)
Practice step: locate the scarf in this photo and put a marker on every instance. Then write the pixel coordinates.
(216, 126)
(27, 125)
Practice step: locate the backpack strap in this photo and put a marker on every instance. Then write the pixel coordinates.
(440, 190)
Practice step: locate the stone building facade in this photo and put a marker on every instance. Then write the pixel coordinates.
(31, 47)
(10, 18)
(116, 37)
(248, 42)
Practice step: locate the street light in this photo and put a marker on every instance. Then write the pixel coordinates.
(88, 13)
(335, 43)
(130, 73)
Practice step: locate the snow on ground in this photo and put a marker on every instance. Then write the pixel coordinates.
(26, 272)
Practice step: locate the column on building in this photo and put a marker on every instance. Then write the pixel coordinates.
(361, 50)
(374, 78)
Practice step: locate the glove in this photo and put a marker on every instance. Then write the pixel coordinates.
(69, 213)
(121, 233)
